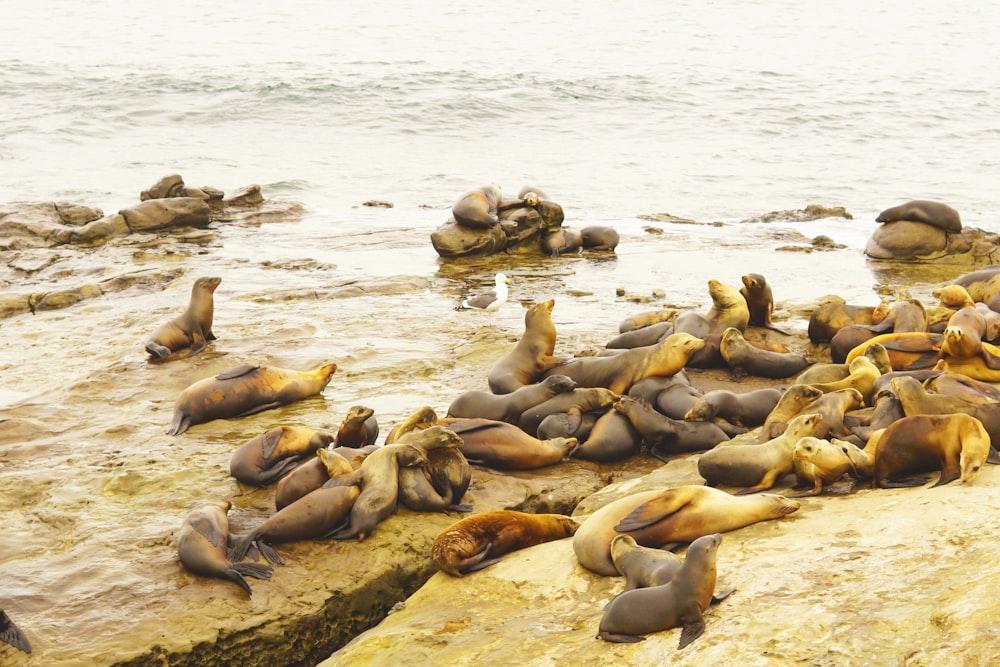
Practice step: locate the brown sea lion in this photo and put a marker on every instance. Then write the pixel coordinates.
(672, 395)
(245, 390)
(932, 213)
(956, 444)
(13, 635)
(832, 406)
(959, 385)
(646, 318)
(309, 476)
(503, 446)
(620, 371)
(729, 309)
(359, 428)
(508, 407)
(749, 408)
(818, 461)
(532, 354)
(567, 425)
(746, 359)
(671, 436)
(679, 602)
(561, 241)
(266, 457)
(666, 516)
(421, 418)
(480, 540)
(829, 318)
(439, 484)
(315, 515)
(379, 480)
(650, 335)
(600, 237)
(642, 566)
(574, 403)
(757, 467)
(191, 330)
(612, 438)
(760, 301)
(478, 208)
(792, 402)
(202, 545)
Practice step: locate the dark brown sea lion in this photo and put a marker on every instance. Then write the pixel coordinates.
(666, 435)
(561, 241)
(729, 309)
(642, 566)
(574, 403)
(508, 407)
(480, 540)
(829, 318)
(956, 444)
(532, 354)
(600, 237)
(503, 446)
(620, 371)
(202, 546)
(13, 635)
(612, 438)
(478, 208)
(309, 476)
(760, 301)
(679, 602)
(928, 212)
(359, 427)
(665, 516)
(191, 330)
(746, 359)
(245, 390)
(749, 408)
(757, 467)
(266, 457)
(646, 318)
(315, 515)
(818, 461)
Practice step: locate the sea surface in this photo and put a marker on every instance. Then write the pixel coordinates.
(707, 110)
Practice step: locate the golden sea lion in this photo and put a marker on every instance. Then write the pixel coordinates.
(792, 402)
(266, 457)
(729, 309)
(953, 296)
(665, 516)
(531, 355)
(191, 330)
(746, 359)
(508, 407)
(911, 350)
(202, 545)
(620, 371)
(646, 318)
(818, 461)
(309, 476)
(760, 301)
(480, 540)
(504, 446)
(679, 602)
(245, 390)
(829, 318)
(934, 213)
(982, 284)
(478, 208)
(862, 376)
(421, 418)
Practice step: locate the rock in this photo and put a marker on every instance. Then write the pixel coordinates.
(39, 224)
(520, 228)
(96, 232)
(156, 214)
(454, 240)
(810, 212)
(168, 186)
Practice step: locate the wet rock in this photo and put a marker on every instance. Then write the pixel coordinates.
(520, 229)
(156, 214)
(173, 186)
(454, 240)
(921, 242)
(38, 224)
(810, 212)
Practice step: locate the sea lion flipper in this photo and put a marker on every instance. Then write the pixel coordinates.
(269, 441)
(692, 630)
(204, 526)
(269, 554)
(651, 511)
(991, 360)
(994, 456)
(620, 638)
(722, 595)
(239, 371)
(180, 423)
(460, 507)
(210, 336)
(12, 634)
(255, 570)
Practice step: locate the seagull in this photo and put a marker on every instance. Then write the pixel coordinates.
(12, 634)
(490, 300)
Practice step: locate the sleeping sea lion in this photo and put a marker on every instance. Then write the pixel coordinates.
(266, 457)
(932, 213)
(310, 476)
(746, 359)
(600, 237)
(503, 446)
(478, 208)
(508, 407)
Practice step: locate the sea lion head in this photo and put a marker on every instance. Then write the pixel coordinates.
(724, 296)
(334, 463)
(559, 383)
(207, 283)
(779, 506)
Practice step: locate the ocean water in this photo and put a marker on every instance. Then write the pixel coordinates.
(708, 110)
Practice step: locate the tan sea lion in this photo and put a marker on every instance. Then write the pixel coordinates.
(478, 208)
(792, 402)
(191, 330)
(561, 241)
(620, 371)
(612, 438)
(202, 545)
(666, 516)
(932, 213)
(646, 318)
(315, 515)
(956, 444)
(573, 403)
(480, 540)
(600, 237)
(729, 309)
(746, 359)
(910, 350)
(359, 427)
(421, 418)
(749, 408)
(760, 301)
(310, 476)
(818, 461)
(245, 390)
(649, 335)
(982, 284)
(642, 566)
(832, 406)
(829, 318)
(532, 354)
(508, 407)
(916, 400)
(953, 296)
(679, 602)
(863, 374)
(266, 457)
(503, 446)
(379, 480)
(757, 467)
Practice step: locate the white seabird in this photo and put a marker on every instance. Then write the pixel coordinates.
(490, 300)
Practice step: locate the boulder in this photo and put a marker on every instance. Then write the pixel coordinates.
(155, 214)
(454, 240)
(520, 228)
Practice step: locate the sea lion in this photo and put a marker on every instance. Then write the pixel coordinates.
(905, 315)
(646, 318)
(916, 400)
(359, 428)
(747, 409)
(832, 406)
(567, 425)
(956, 444)
(818, 461)
(266, 457)
(315, 515)
(619, 372)
(574, 403)
(422, 418)
(202, 543)
(649, 335)
(531, 355)
(440, 483)
(642, 566)
(309, 476)
(665, 516)
(612, 438)
(672, 395)
(508, 407)
(379, 480)
(959, 385)
(561, 241)
(729, 309)
(672, 436)
(953, 296)
(504, 446)
(600, 237)
(13, 635)
(679, 602)
(928, 212)
(760, 302)
(792, 402)
(191, 330)
(863, 374)
(480, 540)
(982, 284)
(489, 301)
(910, 350)
(478, 208)
(245, 390)
(746, 359)
(757, 467)
(829, 318)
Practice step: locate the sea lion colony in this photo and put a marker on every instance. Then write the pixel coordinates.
(348, 490)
